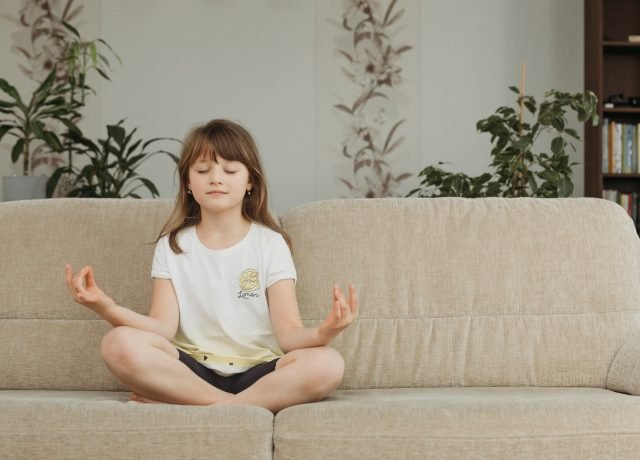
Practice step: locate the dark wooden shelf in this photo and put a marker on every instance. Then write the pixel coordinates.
(630, 46)
(622, 110)
(620, 176)
(612, 67)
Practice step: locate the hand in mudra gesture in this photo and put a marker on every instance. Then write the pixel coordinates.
(85, 291)
(342, 313)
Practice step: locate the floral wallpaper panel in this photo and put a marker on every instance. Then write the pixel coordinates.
(367, 97)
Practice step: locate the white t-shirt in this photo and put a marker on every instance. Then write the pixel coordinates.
(224, 315)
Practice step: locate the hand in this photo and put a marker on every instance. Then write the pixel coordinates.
(342, 314)
(85, 291)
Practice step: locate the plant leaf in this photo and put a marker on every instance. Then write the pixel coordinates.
(10, 90)
(16, 151)
(388, 12)
(395, 17)
(557, 145)
(344, 108)
(390, 135)
(4, 129)
(72, 29)
(347, 183)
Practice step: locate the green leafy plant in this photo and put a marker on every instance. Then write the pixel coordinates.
(28, 118)
(57, 100)
(112, 166)
(82, 58)
(518, 171)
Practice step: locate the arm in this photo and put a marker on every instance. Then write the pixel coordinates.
(287, 326)
(163, 316)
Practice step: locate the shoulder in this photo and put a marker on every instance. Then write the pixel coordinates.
(266, 236)
(184, 238)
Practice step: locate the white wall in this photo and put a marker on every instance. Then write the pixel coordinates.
(247, 60)
(472, 53)
(253, 61)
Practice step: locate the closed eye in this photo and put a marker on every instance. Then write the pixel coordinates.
(230, 172)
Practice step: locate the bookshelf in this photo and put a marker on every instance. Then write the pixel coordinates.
(612, 67)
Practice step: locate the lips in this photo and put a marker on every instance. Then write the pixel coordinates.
(216, 192)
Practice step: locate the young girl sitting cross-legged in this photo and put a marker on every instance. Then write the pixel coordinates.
(224, 325)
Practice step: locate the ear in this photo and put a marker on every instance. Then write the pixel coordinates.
(249, 187)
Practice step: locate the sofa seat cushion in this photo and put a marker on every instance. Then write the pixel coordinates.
(522, 422)
(76, 424)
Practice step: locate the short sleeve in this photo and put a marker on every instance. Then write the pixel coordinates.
(159, 267)
(280, 263)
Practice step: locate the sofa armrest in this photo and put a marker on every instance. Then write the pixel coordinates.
(624, 373)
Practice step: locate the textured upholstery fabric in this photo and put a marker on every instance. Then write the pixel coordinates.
(488, 328)
(624, 375)
(50, 342)
(473, 292)
(487, 423)
(101, 425)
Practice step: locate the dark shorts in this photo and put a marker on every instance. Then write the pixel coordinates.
(233, 383)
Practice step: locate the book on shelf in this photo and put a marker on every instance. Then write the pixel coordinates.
(629, 201)
(620, 147)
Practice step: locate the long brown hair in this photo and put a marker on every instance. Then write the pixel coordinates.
(231, 142)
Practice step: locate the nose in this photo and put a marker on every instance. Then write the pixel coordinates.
(214, 178)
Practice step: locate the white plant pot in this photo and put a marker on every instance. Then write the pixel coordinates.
(23, 187)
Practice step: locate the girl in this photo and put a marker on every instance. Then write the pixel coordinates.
(224, 325)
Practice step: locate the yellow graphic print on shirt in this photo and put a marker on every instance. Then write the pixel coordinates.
(249, 280)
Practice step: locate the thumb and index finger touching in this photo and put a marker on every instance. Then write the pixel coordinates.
(76, 283)
(338, 297)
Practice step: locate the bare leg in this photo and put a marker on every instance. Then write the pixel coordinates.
(301, 376)
(143, 399)
(149, 365)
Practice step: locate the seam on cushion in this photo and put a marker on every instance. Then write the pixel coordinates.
(488, 315)
(279, 439)
(240, 428)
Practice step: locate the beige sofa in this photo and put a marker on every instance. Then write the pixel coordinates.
(489, 328)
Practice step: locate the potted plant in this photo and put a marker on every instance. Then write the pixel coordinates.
(26, 121)
(519, 171)
(56, 102)
(111, 171)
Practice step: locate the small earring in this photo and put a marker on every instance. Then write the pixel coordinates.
(249, 192)
(188, 192)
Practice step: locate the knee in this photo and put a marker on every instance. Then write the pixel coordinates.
(326, 369)
(119, 348)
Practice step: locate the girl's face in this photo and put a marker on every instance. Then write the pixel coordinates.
(218, 185)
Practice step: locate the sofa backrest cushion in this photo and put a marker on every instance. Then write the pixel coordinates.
(453, 292)
(472, 292)
(47, 340)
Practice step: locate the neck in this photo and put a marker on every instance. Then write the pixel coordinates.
(221, 224)
(221, 232)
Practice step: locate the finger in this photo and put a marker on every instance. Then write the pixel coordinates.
(353, 299)
(344, 306)
(68, 274)
(91, 281)
(336, 292)
(70, 282)
(78, 280)
(337, 310)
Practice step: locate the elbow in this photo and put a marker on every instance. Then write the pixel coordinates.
(285, 347)
(167, 332)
